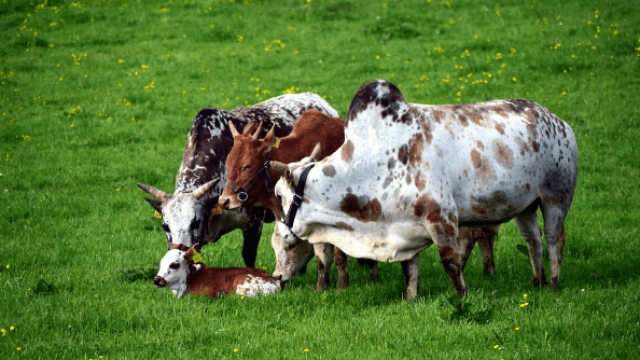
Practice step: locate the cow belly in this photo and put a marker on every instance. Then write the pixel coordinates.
(381, 242)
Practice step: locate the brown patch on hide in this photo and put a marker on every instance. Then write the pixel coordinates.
(426, 130)
(502, 153)
(475, 159)
(438, 116)
(347, 151)
(329, 171)
(426, 207)
(370, 211)
(500, 128)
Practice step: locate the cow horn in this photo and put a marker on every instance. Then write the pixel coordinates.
(315, 154)
(232, 128)
(271, 132)
(257, 133)
(205, 188)
(278, 167)
(158, 194)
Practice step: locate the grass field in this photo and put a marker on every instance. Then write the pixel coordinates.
(96, 96)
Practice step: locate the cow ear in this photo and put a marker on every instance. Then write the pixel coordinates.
(188, 255)
(155, 204)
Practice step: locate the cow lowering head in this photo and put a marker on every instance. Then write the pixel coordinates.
(248, 179)
(185, 214)
(290, 199)
(175, 267)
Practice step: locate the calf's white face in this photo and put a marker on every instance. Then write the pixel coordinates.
(174, 269)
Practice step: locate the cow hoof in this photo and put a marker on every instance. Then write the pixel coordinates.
(322, 285)
(343, 282)
(555, 283)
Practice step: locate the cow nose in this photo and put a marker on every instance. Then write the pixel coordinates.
(159, 281)
(224, 203)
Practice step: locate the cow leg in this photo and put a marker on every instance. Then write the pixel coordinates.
(410, 269)
(342, 263)
(466, 241)
(485, 243)
(251, 237)
(554, 236)
(324, 259)
(527, 223)
(373, 269)
(452, 265)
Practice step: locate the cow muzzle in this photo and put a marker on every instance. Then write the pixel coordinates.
(159, 281)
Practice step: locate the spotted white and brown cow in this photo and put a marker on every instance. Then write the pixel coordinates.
(409, 175)
(191, 214)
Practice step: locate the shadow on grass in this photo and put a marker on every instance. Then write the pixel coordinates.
(137, 274)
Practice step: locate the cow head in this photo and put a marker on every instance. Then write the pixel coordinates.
(175, 267)
(184, 215)
(285, 190)
(247, 168)
(290, 259)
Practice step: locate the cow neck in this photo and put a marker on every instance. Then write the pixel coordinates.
(298, 196)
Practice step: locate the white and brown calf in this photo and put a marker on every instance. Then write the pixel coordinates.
(180, 273)
(409, 175)
(191, 214)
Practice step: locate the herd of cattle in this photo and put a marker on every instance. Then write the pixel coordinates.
(385, 184)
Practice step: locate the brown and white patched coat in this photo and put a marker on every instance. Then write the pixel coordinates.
(409, 175)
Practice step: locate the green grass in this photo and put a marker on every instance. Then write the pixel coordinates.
(96, 96)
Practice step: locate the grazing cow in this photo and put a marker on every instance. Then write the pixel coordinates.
(191, 214)
(179, 272)
(409, 175)
(251, 178)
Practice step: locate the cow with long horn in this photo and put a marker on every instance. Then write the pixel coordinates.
(191, 214)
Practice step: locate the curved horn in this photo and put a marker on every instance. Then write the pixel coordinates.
(232, 128)
(158, 194)
(278, 167)
(315, 154)
(205, 188)
(257, 133)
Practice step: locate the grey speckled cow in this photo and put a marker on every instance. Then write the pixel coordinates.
(409, 175)
(191, 215)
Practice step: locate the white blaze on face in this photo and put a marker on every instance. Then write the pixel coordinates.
(183, 219)
(174, 270)
(257, 285)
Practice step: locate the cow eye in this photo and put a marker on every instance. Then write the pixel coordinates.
(165, 227)
(246, 167)
(174, 266)
(279, 198)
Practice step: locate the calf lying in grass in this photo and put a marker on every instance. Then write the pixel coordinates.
(179, 272)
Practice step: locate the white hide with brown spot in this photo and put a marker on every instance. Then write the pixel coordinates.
(409, 175)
